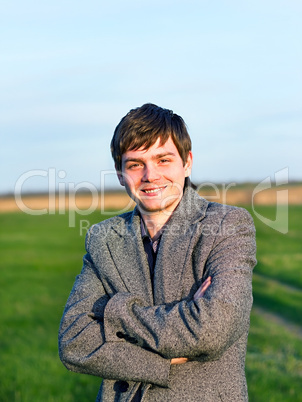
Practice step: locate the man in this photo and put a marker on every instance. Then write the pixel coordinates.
(161, 308)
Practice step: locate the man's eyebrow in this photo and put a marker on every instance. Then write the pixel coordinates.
(158, 156)
(130, 159)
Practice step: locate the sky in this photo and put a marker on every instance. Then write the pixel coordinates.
(70, 70)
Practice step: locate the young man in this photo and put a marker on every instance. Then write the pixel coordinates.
(161, 308)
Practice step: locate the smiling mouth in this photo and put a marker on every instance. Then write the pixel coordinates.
(153, 190)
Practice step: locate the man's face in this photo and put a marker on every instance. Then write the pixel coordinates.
(154, 178)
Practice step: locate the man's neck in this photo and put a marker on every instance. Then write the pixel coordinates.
(154, 223)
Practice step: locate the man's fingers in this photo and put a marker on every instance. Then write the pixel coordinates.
(205, 286)
(179, 360)
(202, 289)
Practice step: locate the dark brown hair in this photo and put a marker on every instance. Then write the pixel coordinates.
(141, 128)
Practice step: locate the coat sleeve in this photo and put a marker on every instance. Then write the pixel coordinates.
(205, 328)
(82, 344)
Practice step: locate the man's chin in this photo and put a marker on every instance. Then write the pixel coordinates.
(146, 209)
(162, 207)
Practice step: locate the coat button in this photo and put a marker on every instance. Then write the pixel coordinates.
(120, 334)
(123, 386)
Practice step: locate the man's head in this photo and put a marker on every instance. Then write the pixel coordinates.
(142, 127)
(152, 152)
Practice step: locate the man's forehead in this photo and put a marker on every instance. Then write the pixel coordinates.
(157, 149)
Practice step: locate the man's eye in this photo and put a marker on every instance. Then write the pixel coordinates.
(133, 166)
(164, 160)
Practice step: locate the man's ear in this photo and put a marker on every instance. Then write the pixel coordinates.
(120, 176)
(188, 165)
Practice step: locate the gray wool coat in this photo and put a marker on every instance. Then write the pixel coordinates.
(120, 326)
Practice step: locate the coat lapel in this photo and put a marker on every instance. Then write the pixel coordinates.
(127, 251)
(175, 247)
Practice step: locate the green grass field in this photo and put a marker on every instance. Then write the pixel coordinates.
(41, 256)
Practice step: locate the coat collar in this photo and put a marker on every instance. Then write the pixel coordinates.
(191, 209)
(176, 246)
(127, 250)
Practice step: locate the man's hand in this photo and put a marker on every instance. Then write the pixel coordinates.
(199, 293)
(202, 289)
(179, 360)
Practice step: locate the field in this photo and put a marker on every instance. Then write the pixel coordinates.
(41, 256)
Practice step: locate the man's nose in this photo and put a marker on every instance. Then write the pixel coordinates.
(150, 174)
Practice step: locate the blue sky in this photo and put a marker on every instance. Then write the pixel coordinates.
(71, 69)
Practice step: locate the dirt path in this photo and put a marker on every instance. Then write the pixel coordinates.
(274, 281)
(280, 320)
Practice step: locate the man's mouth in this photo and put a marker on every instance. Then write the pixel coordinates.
(153, 190)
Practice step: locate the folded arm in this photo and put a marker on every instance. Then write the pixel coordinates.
(199, 293)
(203, 328)
(82, 344)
